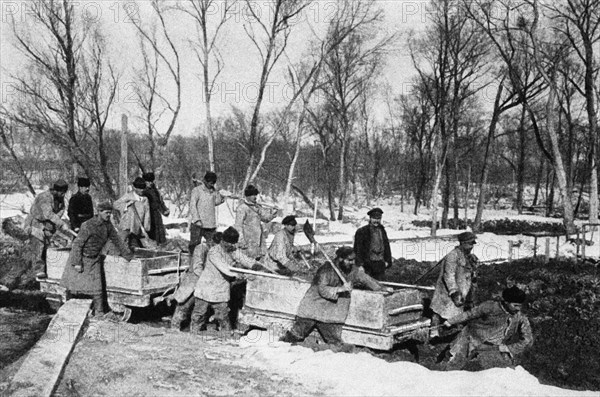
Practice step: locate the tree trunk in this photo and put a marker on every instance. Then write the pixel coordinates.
(446, 197)
(123, 161)
(538, 181)
(342, 175)
(521, 161)
(484, 167)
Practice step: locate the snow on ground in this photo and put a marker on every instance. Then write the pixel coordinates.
(415, 243)
(365, 375)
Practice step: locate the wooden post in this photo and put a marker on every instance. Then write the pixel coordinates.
(312, 247)
(510, 250)
(123, 177)
(547, 256)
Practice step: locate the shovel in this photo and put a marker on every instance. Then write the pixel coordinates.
(310, 234)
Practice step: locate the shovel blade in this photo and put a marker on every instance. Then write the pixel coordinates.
(309, 232)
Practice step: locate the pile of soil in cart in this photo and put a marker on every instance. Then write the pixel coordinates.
(563, 307)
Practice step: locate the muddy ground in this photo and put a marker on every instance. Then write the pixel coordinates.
(563, 306)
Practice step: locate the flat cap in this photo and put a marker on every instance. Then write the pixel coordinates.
(514, 295)
(139, 183)
(344, 252)
(105, 206)
(60, 186)
(250, 190)
(210, 176)
(230, 235)
(83, 182)
(289, 220)
(375, 212)
(148, 176)
(466, 237)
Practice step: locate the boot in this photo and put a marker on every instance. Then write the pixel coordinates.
(289, 338)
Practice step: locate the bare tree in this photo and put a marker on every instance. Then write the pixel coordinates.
(579, 23)
(158, 50)
(63, 92)
(7, 133)
(207, 52)
(450, 57)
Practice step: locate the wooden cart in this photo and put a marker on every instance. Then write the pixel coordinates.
(148, 278)
(375, 319)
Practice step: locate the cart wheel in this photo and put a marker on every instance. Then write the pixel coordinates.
(126, 314)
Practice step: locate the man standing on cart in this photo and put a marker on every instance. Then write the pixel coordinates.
(83, 272)
(135, 215)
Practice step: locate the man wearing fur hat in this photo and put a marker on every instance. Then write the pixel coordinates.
(203, 210)
(158, 208)
(135, 214)
(325, 305)
(213, 286)
(248, 217)
(454, 288)
(43, 221)
(372, 246)
(83, 272)
(280, 256)
(81, 207)
(495, 330)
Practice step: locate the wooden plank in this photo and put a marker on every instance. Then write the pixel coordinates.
(366, 310)
(277, 295)
(40, 372)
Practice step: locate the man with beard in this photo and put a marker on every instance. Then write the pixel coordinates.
(81, 207)
(280, 257)
(496, 331)
(248, 217)
(43, 221)
(325, 305)
(454, 288)
(83, 272)
(372, 246)
(157, 209)
(203, 210)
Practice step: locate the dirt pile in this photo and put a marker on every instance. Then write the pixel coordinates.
(563, 307)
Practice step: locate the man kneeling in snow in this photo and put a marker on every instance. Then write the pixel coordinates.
(496, 331)
(325, 304)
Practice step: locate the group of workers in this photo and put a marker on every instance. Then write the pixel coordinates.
(496, 328)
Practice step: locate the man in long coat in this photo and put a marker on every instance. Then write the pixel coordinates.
(183, 295)
(280, 256)
(496, 330)
(203, 210)
(43, 221)
(81, 207)
(372, 246)
(83, 274)
(214, 283)
(325, 305)
(248, 217)
(135, 214)
(453, 290)
(158, 208)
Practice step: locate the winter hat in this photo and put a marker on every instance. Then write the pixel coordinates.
(60, 186)
(375, 213)
(514, 295)
(148, 176)
(210, 176)
(105, 206)
(230, 235)
(344, 252)
(250, 190)
(139, 183)
(83, 182)
(217, 237)
(289, 220)
(467, 237)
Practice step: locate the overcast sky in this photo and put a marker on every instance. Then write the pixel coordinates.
(237, 85)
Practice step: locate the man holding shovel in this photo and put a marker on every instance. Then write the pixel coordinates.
(135, 216)
(83, 272)
(325, 305)
(43, 221)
